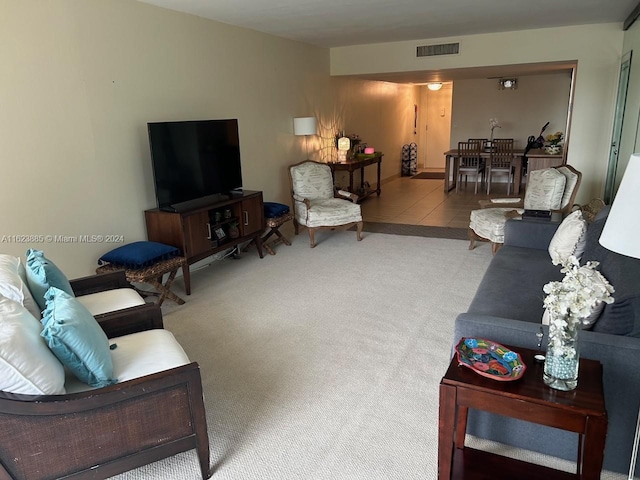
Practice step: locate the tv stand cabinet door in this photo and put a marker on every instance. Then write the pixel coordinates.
(252, 215)
(197, 234)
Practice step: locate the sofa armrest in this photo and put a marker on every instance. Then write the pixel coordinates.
(131, 320)
(529, 233)
(99, 283)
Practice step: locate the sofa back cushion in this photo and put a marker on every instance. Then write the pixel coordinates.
(622, 317)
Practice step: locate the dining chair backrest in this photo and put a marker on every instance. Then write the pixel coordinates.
(481, 141)
(469, 154)
(501, 152)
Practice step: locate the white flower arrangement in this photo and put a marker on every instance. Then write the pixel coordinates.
(572, 300)
(493, 124)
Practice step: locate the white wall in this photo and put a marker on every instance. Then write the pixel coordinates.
(79, 82)
(596, 48)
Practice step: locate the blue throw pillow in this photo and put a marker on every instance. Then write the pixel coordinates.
(42, 273)
(273, 210)
(139, 254)
(75, 337)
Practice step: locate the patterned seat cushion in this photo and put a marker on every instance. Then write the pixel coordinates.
(328, 212)
(489, 223)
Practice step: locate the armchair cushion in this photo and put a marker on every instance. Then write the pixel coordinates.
(27, 366)
(545, 190)
(42, 273)
(329, 212)
(312, 180)
(76, 338)
(571, 181)
(138, 255)
(139, 354)
(110, 300)
(489, 223)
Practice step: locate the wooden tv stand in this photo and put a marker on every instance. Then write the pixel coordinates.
(193, 230)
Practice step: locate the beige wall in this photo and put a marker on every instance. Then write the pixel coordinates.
(381, 113)
(81, 79)
(522, 112)
(596, 48)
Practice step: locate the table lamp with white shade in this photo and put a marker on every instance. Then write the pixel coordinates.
(621, 234)
(305, 126)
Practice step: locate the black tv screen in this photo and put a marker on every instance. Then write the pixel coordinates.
(194, 159)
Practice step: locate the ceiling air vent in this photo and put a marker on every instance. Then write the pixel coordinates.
(442, 49)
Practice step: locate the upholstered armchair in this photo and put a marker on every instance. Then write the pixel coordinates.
(317, 204)
(552, 189)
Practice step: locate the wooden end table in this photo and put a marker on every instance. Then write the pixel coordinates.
(581, 411)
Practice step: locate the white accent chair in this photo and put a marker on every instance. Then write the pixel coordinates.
(552, 189)
(317, 205)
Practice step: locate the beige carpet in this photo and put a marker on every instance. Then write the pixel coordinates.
(324, 363)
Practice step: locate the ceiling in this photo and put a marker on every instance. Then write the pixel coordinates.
(335, 23)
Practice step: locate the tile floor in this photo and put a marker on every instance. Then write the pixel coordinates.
(423, 202)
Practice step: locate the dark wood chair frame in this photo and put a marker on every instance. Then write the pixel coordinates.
(470, 162)
(345, 196)
(501, 158)
(106, 431)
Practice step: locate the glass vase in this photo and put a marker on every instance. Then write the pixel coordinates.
(563, 355)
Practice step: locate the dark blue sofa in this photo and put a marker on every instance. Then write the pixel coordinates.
(507, 308)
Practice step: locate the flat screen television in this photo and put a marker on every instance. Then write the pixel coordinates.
(194, 161)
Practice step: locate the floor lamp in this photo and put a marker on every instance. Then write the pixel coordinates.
(621, 234)
(305, 126)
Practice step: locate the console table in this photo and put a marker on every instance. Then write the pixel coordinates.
(358, 163)
(581, 411)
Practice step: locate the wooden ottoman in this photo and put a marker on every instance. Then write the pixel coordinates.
(274, 223)
(152, 275)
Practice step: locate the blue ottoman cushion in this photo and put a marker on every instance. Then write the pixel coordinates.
(138, 255)
(272, 209)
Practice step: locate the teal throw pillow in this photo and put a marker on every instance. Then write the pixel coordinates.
(42, 273)
(75, 337)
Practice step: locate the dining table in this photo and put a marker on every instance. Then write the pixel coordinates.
(537, 158)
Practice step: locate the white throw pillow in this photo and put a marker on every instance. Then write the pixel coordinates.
(569, 239)
(13, 285)
(27, 366)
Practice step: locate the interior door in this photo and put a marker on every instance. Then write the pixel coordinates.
(621, 100)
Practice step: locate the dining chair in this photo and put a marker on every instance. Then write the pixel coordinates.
(500, 161)
(469, 162)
